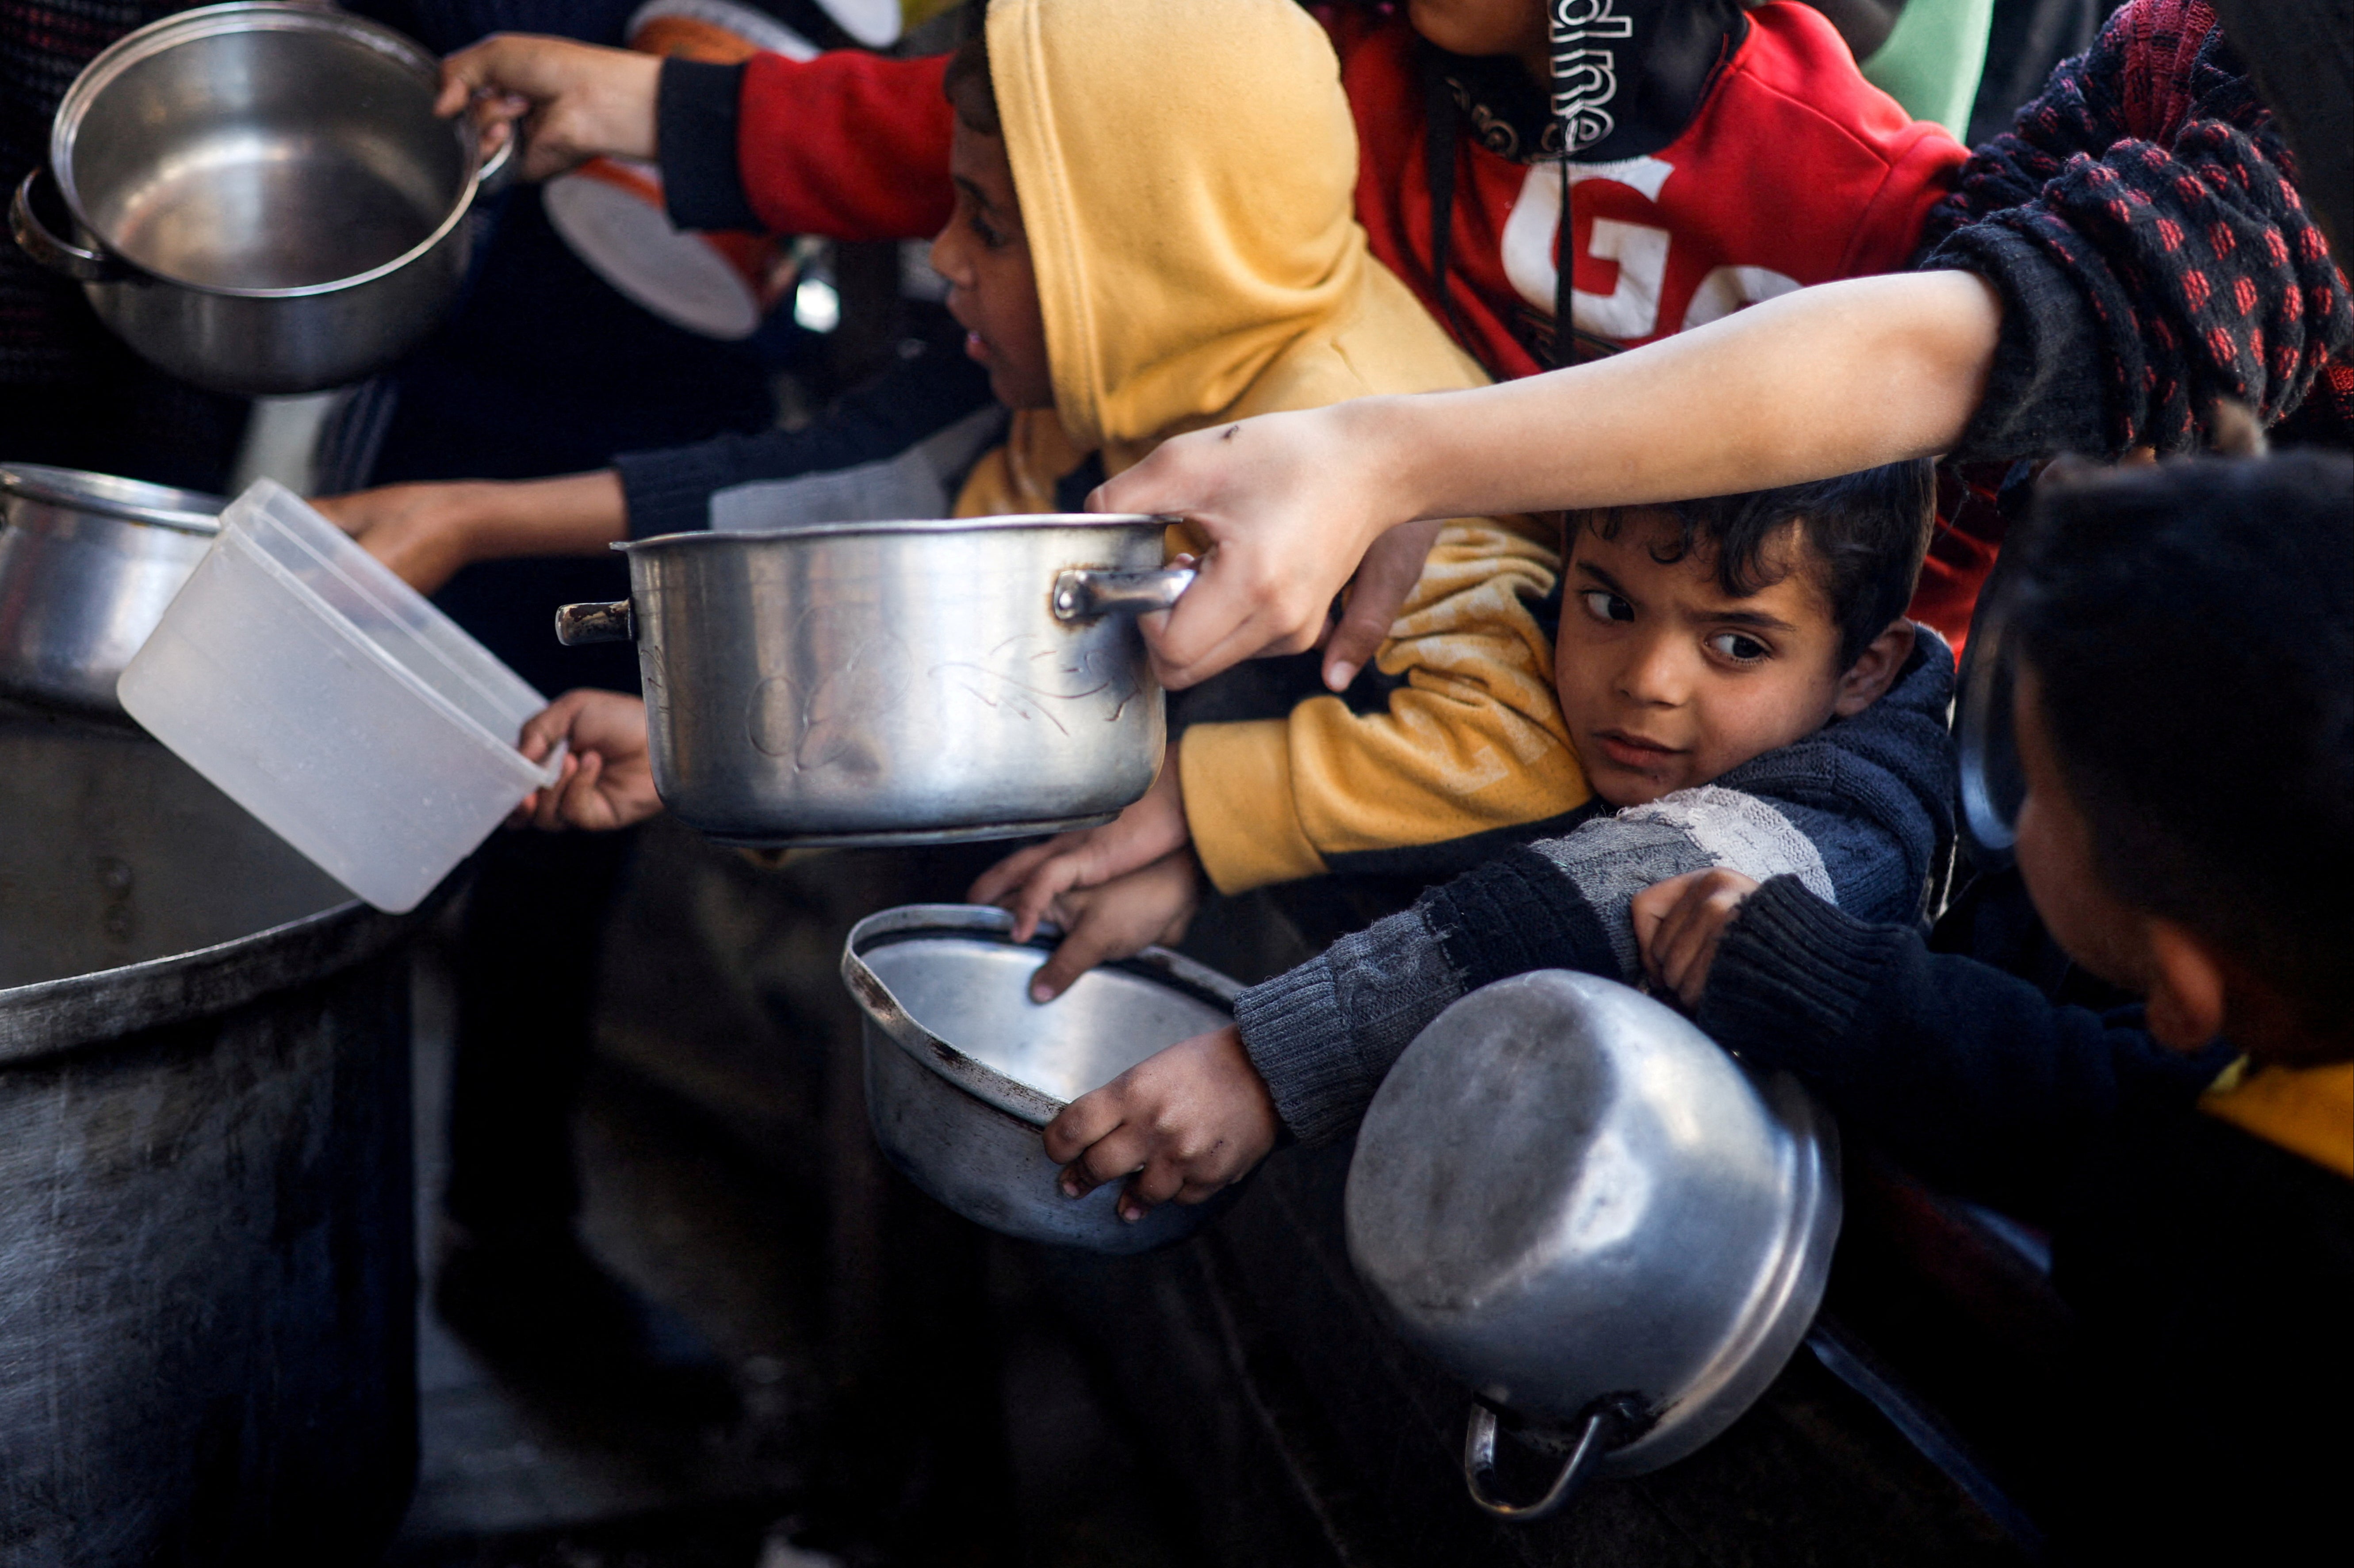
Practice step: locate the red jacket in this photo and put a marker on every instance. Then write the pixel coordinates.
(1795, 171)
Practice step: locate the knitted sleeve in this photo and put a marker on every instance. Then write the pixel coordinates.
(2139, 223)
(1856, 813)
(1968, 1074)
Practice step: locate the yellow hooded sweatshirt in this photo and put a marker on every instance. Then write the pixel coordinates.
(1186, 170)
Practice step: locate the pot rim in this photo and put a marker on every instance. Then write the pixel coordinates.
(244, 16)
(1015, 1098)
(1784, 1298)
(100, 1008)
(109, 495)
(714, 538)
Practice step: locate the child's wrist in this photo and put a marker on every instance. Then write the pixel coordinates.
(1382, 430)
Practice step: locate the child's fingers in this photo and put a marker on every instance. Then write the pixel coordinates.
(1160, 1180)
(1090, 941)
(1015, 869)
(1384, 577)
(1035, 899)
(1652, 912)
(1684, 942)
(547, 801)
(1084, 1121)
(549, 818)
(573, 803)
(1695, 930)
(586, 805)
(1121, 1154)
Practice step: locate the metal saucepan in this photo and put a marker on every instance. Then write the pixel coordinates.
(910, 682)
(963, 1069)
(1582, 1207)
(262, 198)
(86, 564)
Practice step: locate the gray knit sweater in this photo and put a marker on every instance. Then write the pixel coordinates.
(1860, 812)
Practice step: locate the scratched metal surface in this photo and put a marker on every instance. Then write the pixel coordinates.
(905, 680)
(206, 1270)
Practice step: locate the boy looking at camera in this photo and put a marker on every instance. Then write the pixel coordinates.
(1739, 678)
(2185, 718)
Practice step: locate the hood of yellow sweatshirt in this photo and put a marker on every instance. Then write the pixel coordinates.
(1185, 170)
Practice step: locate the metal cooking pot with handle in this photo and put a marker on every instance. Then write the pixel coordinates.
(263, 200)
(1585, 1209)
(88, 563)
(911, 682)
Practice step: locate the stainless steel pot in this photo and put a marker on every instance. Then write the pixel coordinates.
(262, 197)
(86, 564)
(896, 683)
(963, 1069)
(1582, 1207)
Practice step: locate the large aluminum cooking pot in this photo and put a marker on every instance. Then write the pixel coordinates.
(262, 197)
(207, 1266)
(913, 682)
(86, 564)
(1582, 1207)
(963, 1069)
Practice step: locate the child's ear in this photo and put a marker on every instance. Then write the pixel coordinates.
(2187, 985)
(1875, 670)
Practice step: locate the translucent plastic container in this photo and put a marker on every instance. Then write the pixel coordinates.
(328, 698)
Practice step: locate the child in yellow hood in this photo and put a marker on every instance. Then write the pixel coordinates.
(1153, 233)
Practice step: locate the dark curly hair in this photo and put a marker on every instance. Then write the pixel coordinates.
(1860, 536)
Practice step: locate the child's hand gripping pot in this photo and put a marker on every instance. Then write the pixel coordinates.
(1182, 1124)
(1188, 1120)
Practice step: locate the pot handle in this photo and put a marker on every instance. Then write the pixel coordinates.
(1480, 1466)
(34, 238)
(497, 172)
(615, 621)
(1084, 595)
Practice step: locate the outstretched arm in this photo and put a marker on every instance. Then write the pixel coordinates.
(1821, 382)
(428, 532)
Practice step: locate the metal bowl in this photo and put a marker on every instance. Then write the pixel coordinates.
(963, 1069)
(86, 564)
(1585, 1208)
(263, 200)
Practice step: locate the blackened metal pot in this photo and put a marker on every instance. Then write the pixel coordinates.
(207, 1313)
(262, 198)
(914, 682)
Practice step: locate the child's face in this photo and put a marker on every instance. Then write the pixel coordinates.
(2054, 850)
(1665, 682)
(984, 254)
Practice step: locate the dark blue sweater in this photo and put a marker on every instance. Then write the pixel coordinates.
(1861, 810)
